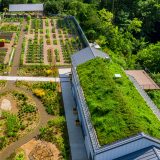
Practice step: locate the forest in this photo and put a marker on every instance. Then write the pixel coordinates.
(127, 30)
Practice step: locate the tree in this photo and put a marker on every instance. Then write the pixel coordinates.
(150, 57)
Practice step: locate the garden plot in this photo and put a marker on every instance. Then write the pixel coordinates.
(9, 34)
(19, 115)
(50, 41)
(5, 52)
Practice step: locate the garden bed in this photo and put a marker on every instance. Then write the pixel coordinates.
(117, 109)
(55, 131)
(38, 70)
(155, 96)
(45, 35)
(18, 119)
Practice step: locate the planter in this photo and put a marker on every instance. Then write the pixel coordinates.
(75, 110)
(77, 122)
(2, 44)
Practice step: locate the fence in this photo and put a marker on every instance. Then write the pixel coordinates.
(80, 31)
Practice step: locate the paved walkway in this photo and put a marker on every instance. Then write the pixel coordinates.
(76, 139)
(39, 79)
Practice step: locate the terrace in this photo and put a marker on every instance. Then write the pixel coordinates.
(108, 97)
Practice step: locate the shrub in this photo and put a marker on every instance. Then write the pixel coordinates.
(12, 124)
(3, 142)
(28, 108)
(39, 92)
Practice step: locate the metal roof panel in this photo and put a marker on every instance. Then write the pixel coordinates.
(25, 7)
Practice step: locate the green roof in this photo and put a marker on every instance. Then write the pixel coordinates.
(117, 109)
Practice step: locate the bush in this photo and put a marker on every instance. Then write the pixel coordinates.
(39, 92)
(3, 142)
(28, 108)
(12, 124)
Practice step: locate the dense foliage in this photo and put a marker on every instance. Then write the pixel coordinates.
(117, 109)
(155, 96)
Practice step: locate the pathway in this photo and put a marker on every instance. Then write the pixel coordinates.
(38, 79)
(76, 140)
(16, 59)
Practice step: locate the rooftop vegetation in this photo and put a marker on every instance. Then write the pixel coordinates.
(117, 109)
(155, 96)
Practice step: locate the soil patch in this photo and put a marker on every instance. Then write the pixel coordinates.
(37, 149)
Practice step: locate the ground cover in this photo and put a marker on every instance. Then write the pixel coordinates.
(155, 96)
(117, 109)
(19, 115)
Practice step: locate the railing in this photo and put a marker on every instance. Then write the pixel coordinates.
(151, 104)
(80, 31)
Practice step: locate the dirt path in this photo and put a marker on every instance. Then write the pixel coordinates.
(17, 56)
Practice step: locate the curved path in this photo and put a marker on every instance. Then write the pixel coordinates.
(44, 117)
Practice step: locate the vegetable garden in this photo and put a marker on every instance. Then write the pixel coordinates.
(9, 34)
(50, 41)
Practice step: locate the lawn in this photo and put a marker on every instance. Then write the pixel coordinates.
(117, 109)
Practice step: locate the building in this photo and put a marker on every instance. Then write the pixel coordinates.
(35, 10)
(26, 8)
(139, 147)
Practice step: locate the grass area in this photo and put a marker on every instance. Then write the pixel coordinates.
(155, 96)
(117, 109)
(19, 154)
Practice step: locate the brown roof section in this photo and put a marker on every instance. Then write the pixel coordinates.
(144, 80)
